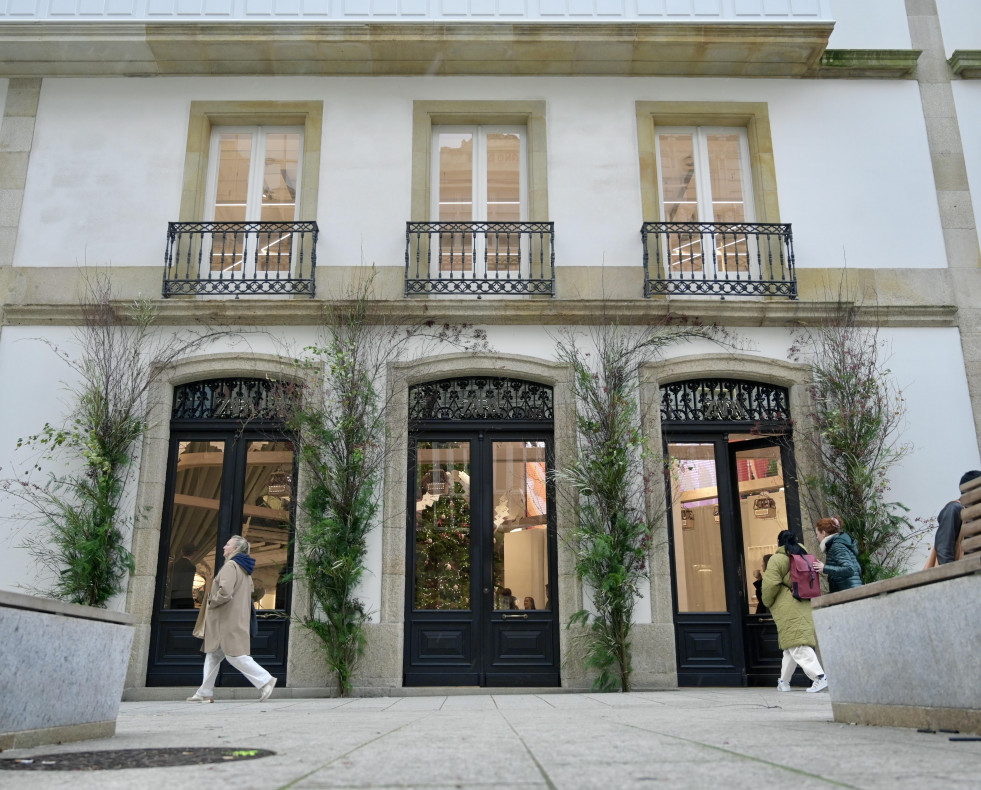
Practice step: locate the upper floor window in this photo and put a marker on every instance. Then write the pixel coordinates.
(255, 174)
(705, 174)
(481, 174)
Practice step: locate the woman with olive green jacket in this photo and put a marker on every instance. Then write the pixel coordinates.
(795, 625)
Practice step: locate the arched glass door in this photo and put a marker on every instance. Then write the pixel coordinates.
(732, 484)
(480, 608)
(231, 470)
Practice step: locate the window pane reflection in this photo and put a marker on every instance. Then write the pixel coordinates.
(442, 575)
(763, 510)
(267, 517)
(520, 526)
(697, 528)
(194, 525)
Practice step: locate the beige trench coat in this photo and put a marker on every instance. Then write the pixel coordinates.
(226, 623)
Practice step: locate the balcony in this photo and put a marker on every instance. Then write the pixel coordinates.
(479, 258)
(718, 259)
(240, 258)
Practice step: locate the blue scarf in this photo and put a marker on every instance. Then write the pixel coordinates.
(246, 562)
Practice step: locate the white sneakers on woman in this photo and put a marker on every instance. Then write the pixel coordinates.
(266, 690)
(820, 684)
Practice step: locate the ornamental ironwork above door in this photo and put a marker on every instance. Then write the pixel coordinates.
(723, 400)
(480, 398)
(232, 399)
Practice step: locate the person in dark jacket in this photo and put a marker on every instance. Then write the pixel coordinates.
(949, 528)
(795, 625)
(841, 565)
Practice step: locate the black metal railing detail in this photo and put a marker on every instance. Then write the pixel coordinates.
(240, 258)
(719, 259)
(480, 398)
(729, 400)
(235, 399)
(479, 258)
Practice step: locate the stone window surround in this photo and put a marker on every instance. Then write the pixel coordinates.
(152, 463)
(796, 377)
(205, 115)
(427, 114)
(753, 116)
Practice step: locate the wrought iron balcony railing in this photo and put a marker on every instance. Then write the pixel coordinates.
(240, 258)
(718, 259)
(479, 258)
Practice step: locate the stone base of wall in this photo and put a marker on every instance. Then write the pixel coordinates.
(960, 719)
(27, 739)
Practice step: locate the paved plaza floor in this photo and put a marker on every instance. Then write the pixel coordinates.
(724, 739)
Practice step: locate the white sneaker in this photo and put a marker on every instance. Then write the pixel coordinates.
(266, 690)
(783, 686)
(819, 685)
(198, 698)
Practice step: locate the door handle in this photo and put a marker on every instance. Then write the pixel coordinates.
(515, 616)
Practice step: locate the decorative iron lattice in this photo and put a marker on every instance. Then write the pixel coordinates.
(480, 258)
(480, 398)
(728, 400)
(719, 259)
(232, 399)
(240, 258)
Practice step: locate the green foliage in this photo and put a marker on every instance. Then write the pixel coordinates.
(616, 521)
(341, 435)
(859, 415)
(82, 540)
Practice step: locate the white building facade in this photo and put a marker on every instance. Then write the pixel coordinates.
(523, 166)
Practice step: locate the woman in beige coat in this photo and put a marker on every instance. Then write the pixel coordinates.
(227, 622)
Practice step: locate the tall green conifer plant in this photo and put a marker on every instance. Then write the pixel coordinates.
(117, 356)
(343, 448)
(859, 413)
(617, 514)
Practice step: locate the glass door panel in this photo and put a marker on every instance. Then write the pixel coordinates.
(442, 526)
(267, 517)
(520, 535)
(699, 566)
(762, 509)
(503, 201)
(455, 200)
(195, 522)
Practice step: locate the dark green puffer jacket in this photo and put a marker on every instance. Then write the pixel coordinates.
(841, 565)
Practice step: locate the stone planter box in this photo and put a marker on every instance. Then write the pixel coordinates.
(63, 670)
(906, 652)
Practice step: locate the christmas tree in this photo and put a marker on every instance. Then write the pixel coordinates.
(443, 552)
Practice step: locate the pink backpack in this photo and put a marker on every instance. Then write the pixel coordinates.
(805, 582)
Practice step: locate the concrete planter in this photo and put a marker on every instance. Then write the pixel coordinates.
(64, 669)
(906, 651)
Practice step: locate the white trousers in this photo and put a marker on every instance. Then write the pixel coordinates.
(805, 657)
(256, 675)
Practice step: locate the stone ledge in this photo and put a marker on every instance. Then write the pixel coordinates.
(965, 567)
(966, 63)
(887, 64)
(438, 48)
(12, 600)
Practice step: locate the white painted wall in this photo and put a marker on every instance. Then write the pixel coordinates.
(870, 24)
(852, 163)
(960, 24)
(967, 101)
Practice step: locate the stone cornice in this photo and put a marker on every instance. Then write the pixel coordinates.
(966, 63)
(492, 312)
(868, 63)
(40, 49)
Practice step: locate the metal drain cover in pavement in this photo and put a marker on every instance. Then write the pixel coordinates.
(130, 758)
